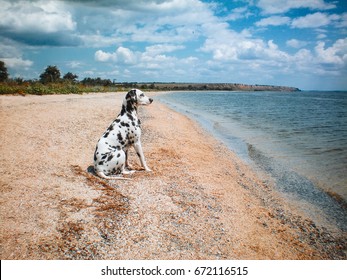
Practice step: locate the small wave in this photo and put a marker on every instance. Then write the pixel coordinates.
(299, 187)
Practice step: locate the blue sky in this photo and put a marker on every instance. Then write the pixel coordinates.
(301, 43)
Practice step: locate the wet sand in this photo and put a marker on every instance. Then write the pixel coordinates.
(200, 201)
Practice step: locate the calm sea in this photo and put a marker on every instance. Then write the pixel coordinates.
(297, 138)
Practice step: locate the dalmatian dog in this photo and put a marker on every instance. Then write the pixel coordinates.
(110, 157)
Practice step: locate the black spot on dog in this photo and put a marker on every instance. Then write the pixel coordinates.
(119, 136)
(124, 124)
(110, 127)
(96, 153)
(110, 157)
(131, 107)
(118, 155)
(123, 111)
(130, 116)
(101, 163)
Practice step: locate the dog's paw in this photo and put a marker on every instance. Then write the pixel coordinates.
(128, 172)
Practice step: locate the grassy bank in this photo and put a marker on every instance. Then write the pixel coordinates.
(53, 88)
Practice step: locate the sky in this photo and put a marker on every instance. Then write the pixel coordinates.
(299, 43)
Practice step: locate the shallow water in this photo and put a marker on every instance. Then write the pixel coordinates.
(299, 138)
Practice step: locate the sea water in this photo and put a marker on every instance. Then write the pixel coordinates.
(297, 138)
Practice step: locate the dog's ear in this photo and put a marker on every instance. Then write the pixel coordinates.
(131, 96)
(130, 101)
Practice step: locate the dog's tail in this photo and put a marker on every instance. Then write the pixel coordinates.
(112, 177)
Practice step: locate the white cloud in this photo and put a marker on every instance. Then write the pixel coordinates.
(169, 21)
(342, 23)
(321, 36)
(153, 63)
(335, 55)
(17, 63)
(125, 55)
(99, 40)
(294, 43)
(35, 16)
(230, 46)
(162, 48)
(314, 20)
(121, 55)
(104, 56)
(12, 55)
(236, 53)
(274, 21)
(283, 6)
(322, 61)
(9, 48)
(75, 64)
(238, 13)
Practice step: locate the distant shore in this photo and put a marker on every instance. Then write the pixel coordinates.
(200, 201)
(211, 86)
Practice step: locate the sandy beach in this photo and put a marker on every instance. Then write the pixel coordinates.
(199, 202)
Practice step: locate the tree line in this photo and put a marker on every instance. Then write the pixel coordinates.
(52, 74)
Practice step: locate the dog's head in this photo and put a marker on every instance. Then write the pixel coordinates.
(137, 97)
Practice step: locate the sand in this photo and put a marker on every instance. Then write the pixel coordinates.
(199, 202)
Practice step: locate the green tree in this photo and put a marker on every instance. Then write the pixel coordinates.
(3, 72)
(50, 75)
(70, 77)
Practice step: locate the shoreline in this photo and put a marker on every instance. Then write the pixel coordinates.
(334, 202)
(200, 202)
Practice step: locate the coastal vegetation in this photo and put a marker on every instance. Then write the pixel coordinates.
(51, 81)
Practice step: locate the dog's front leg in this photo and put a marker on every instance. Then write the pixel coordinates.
(138, 149)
